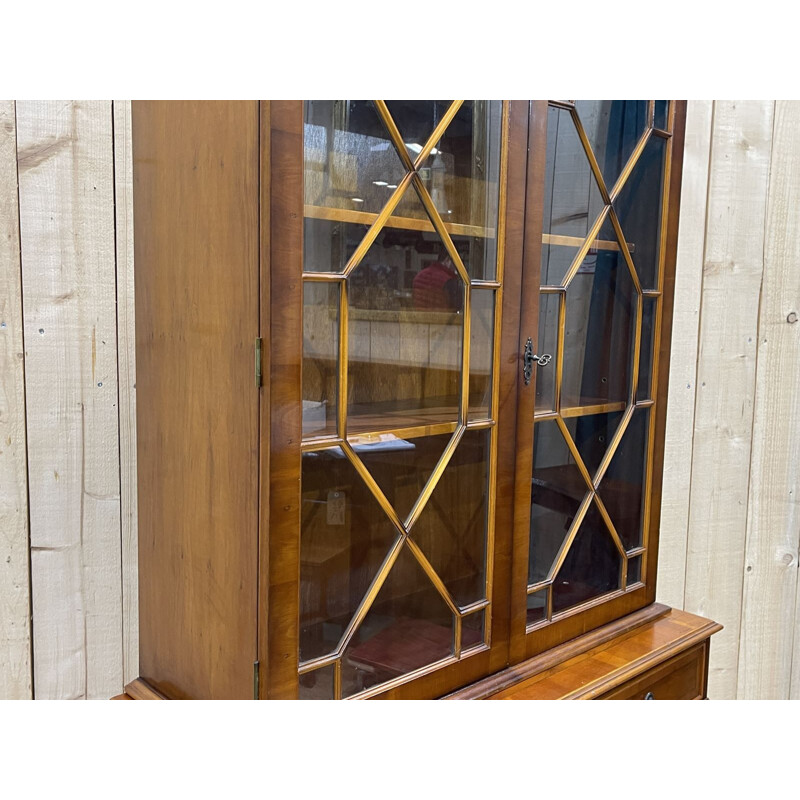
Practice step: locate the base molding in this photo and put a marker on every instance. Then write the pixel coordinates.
(140, 689)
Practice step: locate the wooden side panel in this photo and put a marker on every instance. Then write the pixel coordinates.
(15, 626)
(773, 513)
(66, 179)
(683, 361)
(126, 354)
(733, 267)
(195, 168)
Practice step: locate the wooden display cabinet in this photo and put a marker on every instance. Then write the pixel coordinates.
(402, 372)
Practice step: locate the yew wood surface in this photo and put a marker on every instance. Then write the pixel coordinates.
(195, 167)
(592, 666)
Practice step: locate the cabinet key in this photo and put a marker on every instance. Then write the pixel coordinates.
(529, 358)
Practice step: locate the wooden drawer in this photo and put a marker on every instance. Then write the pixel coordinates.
(680, 678)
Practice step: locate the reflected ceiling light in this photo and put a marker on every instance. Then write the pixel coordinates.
(356, 199)
(391, 185)
(380, 183)
(417, 148)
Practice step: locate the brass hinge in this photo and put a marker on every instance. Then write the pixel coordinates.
(258, 362)
(255, 680)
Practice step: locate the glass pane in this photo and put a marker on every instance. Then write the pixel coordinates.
(592, 434)
(401, 467)
(547, 344)
(406, 331)
(572, 200)
(344, 538)
(600, 328)
(461, 174)
(320, 357)
(634, 570)
(646, 352)
(622, 487)
(537, 607)
(557, 490)
(639, 210)
(329, 244)
(661, 114)
(481, 347)
(613, 128)
(463, 179)
(350, 163)
(317, 685)
(472, 630)
(452, 529)
(408, 627)
(593, 565)
(416, 120)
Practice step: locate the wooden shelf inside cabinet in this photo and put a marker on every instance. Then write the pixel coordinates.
(405, 223)
(577, 241)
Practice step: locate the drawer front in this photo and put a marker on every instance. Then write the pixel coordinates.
(683, 677)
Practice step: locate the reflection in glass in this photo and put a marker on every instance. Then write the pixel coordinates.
(572, 200)
(416, 121)
(646, 354)
(317, 685)
(320, 357)
(329, 244)
(599, 329)
(343, 540)
(452, 529)
(639, 210)
(401, 467)
(593, 565)
(661, 115)
(461, 174)
(613, 128)
(481, 347)
(349, 160)
(622, 487)
(592, 434)
(557, 490)
(537, 607)
(634, 569)
(472, 630)
(547, 344)
(406, 329)
(408, 627)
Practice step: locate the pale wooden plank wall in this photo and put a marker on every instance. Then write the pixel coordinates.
(769, 607)
(742, 438)
(126, 337)
(66, 192)
(15, 627)
(683, 358)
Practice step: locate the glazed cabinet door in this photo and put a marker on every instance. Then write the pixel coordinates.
(394, 226)
(599, 256)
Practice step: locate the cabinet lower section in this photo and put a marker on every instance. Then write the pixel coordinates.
(657, 653)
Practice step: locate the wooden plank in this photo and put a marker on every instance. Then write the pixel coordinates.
(15, 626)
(773, 512)
(732, 273)
(126, 354)
(65, 163)
(683, 358)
